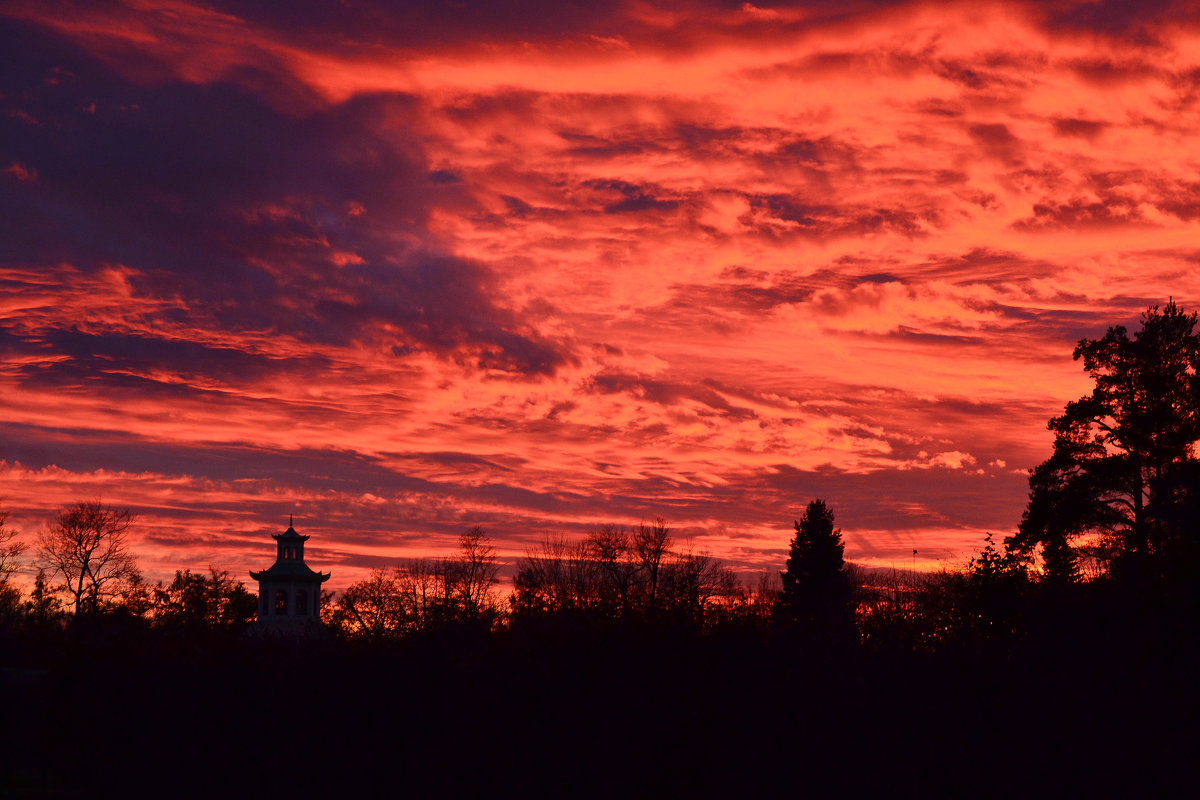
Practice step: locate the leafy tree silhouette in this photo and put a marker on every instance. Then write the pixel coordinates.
(195, 600)
(817, 591)
(42, 605)
(992, 592)
(1123, 466)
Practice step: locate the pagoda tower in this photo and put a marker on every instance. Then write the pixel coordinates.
(289, 591)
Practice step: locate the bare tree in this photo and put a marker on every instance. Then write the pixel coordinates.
(693, 583)
(86, 548)
(765, 594)
(651, 544)
(422, 591)
(471, 577)
(557, 577)
(10, 551)
(10, 548)
(373, 607)
(610, 548)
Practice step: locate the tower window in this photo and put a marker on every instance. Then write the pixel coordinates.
(280, 603)
(301, 603)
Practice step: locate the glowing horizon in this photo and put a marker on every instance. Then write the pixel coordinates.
(405, 272)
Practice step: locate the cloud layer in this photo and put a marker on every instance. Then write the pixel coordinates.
(541, 267)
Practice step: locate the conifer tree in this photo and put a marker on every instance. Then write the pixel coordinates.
(817, 592)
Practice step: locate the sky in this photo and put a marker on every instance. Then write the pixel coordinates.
(544, 266)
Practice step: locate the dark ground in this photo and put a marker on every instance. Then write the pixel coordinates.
(1106, 709)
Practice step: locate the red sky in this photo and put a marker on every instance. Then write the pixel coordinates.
(542, 266)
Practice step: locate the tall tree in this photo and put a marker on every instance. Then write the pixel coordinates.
(86, 548)
(651, 545)
(1123, 467)
(10, 551)
(10, 548)
(471, 577)
(817, 592)
(610, 547)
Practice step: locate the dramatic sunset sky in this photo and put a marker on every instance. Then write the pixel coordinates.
(541, 266)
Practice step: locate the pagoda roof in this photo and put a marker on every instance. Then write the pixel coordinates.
(289, 534)
(290, 571)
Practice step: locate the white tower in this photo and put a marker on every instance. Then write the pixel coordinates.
(289, 592)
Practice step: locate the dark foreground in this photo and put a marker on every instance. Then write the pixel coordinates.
(1108, 709)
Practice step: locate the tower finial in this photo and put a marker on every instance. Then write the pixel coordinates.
(289, 520)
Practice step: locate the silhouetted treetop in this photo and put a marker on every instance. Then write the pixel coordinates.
(11, 548)
(86, 549)
(626, 575)
(1123, 470)
(817, 591)
(194, 599)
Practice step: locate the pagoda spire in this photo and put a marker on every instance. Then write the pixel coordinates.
(289, 591)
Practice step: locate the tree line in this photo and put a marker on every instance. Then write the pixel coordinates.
(84, 567)
(1117, 504)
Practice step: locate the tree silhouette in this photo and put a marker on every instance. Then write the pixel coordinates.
(470, 578)
(372, 608)
(610, 547)
(10, 550)
(651, 545)
(695, 584)
(86, 549)
(194, 599)
(557, 577)
(423, 594)
(988, 596)
(1123, 467)
(817, 591)
(421, 583)
(42, 605)
(627, 576)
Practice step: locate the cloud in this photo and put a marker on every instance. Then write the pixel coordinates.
(1140, 22)
(997, 141)
(631, 197)
(311, 227)
(1084, 128)
(408, 268)
(665, 392)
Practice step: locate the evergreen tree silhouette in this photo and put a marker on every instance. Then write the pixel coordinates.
(817, 595)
